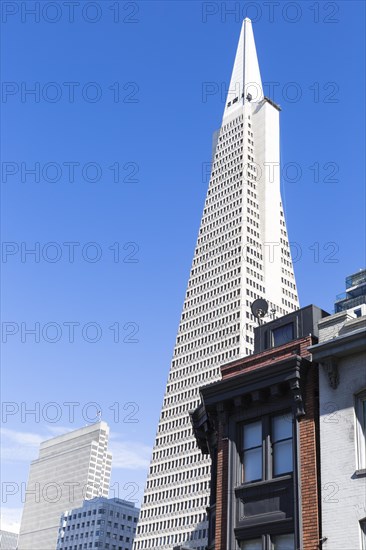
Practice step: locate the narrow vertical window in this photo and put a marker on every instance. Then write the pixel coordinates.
(281, 445)
(252, 451)
(360, 410)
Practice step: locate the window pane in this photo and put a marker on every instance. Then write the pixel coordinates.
(283, 542)
(282, 335)
(254, 544)
(253, 464)
(282, 457)
(252, 435)
(281, 427)
(363, 534)
(361, 430)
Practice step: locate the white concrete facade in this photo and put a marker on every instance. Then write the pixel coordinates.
(69, 469)
(341, 354)
(242, 253)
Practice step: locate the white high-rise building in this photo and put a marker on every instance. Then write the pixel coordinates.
(242, 253)
(69, 469)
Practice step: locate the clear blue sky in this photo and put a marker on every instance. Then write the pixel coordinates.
(149, 65)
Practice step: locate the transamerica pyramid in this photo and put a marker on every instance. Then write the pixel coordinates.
(242, 253)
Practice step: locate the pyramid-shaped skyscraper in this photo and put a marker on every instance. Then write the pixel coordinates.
(242, 253)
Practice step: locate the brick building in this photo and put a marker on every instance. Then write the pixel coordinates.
(260, 426)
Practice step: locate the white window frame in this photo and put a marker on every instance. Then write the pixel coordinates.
(360, 424)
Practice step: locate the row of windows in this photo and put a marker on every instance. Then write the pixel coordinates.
(233, 188)
(183, 462)
(173, 424)
(218, 290)
(207, 317)
(223, 309)
(228, 167)
(288, 283)
(254, 273)
(289, 294)
(223, 214)
(179, 435)
(97, 544)
(94, 512)
(176, 451)
(221, 187)
(182, 521)
(82, 525)
(98, 533)
(179, 503)
(220, 266)
(218, 245)
(209, 363)
(211, 350)
(183, 477)
(228, 150)
(176, 393)
(228, 174)
(168, 540)
(229, 218)
(219, 206)
(172, 480)
(217, 342)
(222, 326)
(212, 278)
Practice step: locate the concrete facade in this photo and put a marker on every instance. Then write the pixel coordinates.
(242, 253)
(108, 523)
(69, 469)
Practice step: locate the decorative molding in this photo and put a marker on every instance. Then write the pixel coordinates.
(298, 397)
(223, 418)
(330, 367)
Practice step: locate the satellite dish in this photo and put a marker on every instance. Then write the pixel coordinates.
(259, 308)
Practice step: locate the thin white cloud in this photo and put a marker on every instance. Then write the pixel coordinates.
(25, 438)
(130, 455)
(59, 430)
(10, 519)
(19, 445)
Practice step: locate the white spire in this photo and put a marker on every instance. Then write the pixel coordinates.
(246, 77)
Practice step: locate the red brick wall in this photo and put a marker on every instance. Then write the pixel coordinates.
(308, 470)
(253, 362)
(221, 490)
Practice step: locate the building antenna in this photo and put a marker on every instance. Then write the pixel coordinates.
(259, 309)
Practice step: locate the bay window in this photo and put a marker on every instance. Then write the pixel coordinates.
(266, 448)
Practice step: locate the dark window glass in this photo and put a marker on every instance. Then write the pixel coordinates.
(281, 445)
(282, 335)
(252, 451)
